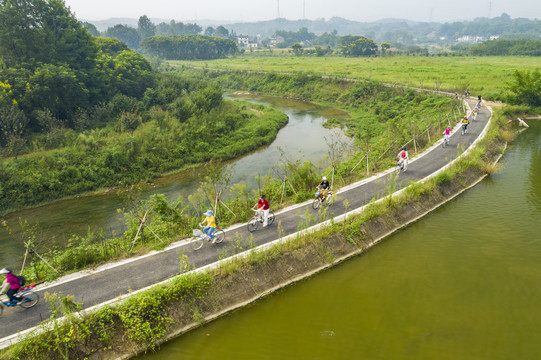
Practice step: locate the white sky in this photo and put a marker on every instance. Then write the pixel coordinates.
(256, 10)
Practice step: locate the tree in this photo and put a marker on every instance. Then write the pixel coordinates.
(91, 28)
(209, 31)
(526, 88)
(297, 49)
(361, 46)
(125, 34)
(44, 31)
(384, 47)
(319, 51)
(221, 32)
(145, 27)
(111, 46)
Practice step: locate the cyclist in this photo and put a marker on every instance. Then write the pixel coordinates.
(465, 123)
(210, 224)
(403, 158)
(467, 93)
(324, 186)
(479, 105)
(263, 206)
(13, 283)
(447, 135)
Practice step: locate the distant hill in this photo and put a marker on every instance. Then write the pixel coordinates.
(390, 30)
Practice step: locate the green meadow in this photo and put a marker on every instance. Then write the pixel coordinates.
(488, 76)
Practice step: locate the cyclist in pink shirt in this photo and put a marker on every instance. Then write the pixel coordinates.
(13, 282)
(447, 135)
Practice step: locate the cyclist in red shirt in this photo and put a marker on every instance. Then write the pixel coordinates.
(263, 205)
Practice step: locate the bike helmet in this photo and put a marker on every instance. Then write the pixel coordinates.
(209, 213)
(404, 148)
(5, 271)
(324, 178)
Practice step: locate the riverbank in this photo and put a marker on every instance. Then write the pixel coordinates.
(262, 273)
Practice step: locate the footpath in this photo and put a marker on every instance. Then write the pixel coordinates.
(105, 284)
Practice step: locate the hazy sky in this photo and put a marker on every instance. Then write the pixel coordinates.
(255, 10)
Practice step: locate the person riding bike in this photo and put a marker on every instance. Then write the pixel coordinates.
(403, 158)
(465, 123)
(325, 187)
(12, 281)
(447, 135)
(263, 206)
(210, 224)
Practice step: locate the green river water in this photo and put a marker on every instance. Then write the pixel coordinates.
(462, 283)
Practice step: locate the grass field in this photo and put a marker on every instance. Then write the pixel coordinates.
(488, 76)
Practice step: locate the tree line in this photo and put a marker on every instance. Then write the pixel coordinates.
(188, 47)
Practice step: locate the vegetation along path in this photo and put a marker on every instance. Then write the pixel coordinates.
(107, 283)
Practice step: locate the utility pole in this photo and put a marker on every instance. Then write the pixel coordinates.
(277, 9)
(489, 9)
(304, 9)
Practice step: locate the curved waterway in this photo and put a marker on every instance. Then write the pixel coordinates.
(462, 283)
(302, 138)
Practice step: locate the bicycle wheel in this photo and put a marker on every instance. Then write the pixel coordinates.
(270, 218)
(315, 203)
(329, 199)
(253, 223)
(219, 236)
(197, 242)
(30, 299)
(443, 144)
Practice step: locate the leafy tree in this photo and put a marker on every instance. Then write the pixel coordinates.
(34, 31)
(12, 123)
(358, 46)
(384, 47)
(91, 28)
(221, 32)
(526, 88)
(319, 51)
(111, 46)
(125, 34)
(297, 49)
(209, 31)
(145, 27)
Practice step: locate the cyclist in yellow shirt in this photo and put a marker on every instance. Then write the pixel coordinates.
(210, 221)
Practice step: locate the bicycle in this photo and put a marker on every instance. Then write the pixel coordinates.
(199, 237)
(318, 200)
(445, 142)
(28, 299)
(464, 128)
(401, 166)
(253, 223)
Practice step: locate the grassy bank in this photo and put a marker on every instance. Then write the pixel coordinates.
(145, 320)
(111, 156)
(482, 75)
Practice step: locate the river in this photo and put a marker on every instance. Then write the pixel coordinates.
(464, 282)
(302, 138)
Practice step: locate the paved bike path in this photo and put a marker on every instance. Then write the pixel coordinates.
(97, 287)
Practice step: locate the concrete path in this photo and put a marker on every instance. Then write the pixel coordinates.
(108, 282)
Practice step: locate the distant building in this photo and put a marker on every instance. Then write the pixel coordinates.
(471, 39)
(275, 40)
(245, 41)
